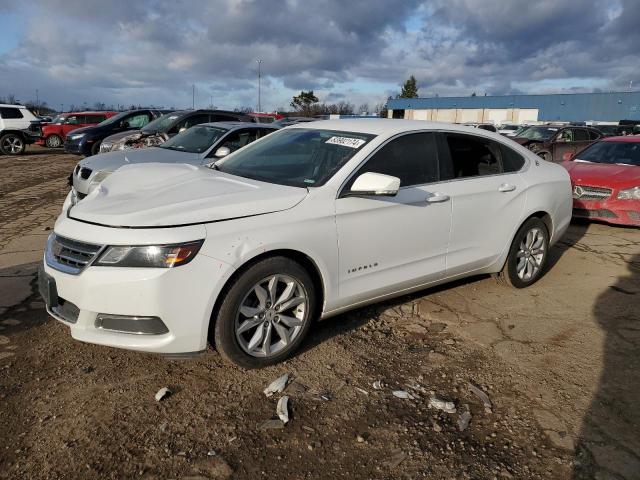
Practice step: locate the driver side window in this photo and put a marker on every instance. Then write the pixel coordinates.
(138, 121)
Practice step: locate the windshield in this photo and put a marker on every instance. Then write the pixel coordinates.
(297, 157)
(161, 124)
(59, 119)
(538, 133)
(195, 139)
(115, 118)
(509, 127)
(626, 153)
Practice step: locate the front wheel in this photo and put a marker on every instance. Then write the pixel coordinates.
(527, 255)
(53, 141)
(265, 315)
(12, 144)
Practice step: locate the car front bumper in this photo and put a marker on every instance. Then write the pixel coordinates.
(613, 211)
(81, 146)
(182, 298)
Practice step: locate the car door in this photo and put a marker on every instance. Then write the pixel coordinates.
(71, 123)
(487, 199)
(136, 121)
(388, 244)
(570, 140)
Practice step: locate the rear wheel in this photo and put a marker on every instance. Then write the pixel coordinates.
(265, 315)
(53, 141)
(96, 148)
(527, 255)
(12, 144)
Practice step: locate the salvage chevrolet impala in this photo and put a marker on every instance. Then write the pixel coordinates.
(306, 223)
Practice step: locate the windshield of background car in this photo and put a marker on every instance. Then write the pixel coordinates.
(297, 157)
(59, 119)
(195, 139)
(161, 124)
(114, 119)
(626, 153)
(538, 133)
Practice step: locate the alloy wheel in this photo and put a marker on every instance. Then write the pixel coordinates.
(271, 315)
(53, 141)
(530, 254)
(12, 145)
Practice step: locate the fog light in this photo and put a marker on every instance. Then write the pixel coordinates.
(131, 324)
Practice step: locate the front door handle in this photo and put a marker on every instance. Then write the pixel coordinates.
(505, 187)
(437, 198)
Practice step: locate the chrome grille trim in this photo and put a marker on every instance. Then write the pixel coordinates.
(585, 192)
(70, 256)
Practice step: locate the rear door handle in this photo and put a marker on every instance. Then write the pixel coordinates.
(437, 198)
(505, 187)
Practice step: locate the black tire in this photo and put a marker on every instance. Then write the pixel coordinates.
(53, 141)
(95, 150)
(12, 144)
(509, 274)
(224, 329)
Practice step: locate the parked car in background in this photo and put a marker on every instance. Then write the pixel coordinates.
(489, 127)
(86, 141)
(508, 129)
(265, 117)
(614, 130)
(197, 145)
(285, 122)
(54, 133)
(605, 178)
(15, 121)
(166, 126)
(551, 142)
(311, 221)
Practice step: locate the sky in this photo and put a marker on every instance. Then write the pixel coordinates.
(151, 52)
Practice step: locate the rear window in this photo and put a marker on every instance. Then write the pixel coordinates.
(511, 161)
(9, 113)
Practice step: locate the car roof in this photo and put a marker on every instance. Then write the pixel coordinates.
(234, 125)
(88, 112)
(628, 138)
(387, 126)
(12, 105)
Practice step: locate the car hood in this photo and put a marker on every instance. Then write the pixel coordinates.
(603, 174)
(111, 161)
(165, 195)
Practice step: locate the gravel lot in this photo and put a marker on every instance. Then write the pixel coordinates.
(560, 362)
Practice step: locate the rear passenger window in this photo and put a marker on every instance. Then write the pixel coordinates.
(412, 158)
(593, 135)
(10, 113)
(473, 156)
(580, 135)
(511, 161)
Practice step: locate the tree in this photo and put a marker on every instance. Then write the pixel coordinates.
(363, 109)
(409, 89)
(304, 102)
(473, 94)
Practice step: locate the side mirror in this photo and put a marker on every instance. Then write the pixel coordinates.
(567, 156)
(371, 183)
(222, 152)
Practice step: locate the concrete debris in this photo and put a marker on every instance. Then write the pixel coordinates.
(396, 458)
(378, 385)
(442, 404)
(211, 453)
(277, 386)
(464, 419)
(282, 409)
(402, 394)
(362, 390)
(271, 424)
(163, 393)
(484, 398)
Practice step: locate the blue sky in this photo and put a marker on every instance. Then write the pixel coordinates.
(151, 51)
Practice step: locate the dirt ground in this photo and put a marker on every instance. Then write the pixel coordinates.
(560, 362)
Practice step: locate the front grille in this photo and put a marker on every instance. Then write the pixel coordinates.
(584, 192)
(602, 213)
(85, 173)
(69, 256)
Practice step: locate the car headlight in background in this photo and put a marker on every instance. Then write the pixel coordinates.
(629, 194)
(149, 256)
(77, 136)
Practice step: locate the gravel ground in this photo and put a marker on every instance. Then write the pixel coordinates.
(559, 362)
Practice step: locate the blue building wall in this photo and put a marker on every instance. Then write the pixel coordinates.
(570, 107)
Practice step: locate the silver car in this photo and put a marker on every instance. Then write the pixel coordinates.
(199, 145)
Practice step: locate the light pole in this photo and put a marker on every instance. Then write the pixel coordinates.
(259, 93)
(193, 96)
(37, 102)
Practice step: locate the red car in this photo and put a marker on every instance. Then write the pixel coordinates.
(605, 178)
(54, 133)
(265, 117)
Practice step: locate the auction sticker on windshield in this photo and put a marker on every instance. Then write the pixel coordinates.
(346, 142)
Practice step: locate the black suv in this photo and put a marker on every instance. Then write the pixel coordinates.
(166, 126)
(86, 141)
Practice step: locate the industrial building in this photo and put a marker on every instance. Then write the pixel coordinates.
(574, 107)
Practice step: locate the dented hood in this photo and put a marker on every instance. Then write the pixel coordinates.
(164, 195)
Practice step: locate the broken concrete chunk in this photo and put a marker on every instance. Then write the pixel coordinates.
(396, 458)
(442, 404)
(163, 393)
(282, 409)
(277, 386)
(362, 390)
(271, 424)
(378, 385)
(402, 394)
(484, 398)
(464, 419)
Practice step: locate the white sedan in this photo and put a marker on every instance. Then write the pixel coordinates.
(309, 222)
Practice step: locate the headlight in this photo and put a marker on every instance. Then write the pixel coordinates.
(629, 194)
(105, 147)
(150, 256)
(77, 136)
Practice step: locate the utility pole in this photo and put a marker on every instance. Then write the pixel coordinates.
(37, 102)
(61, 107)
(259, 92)
(193, 96)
